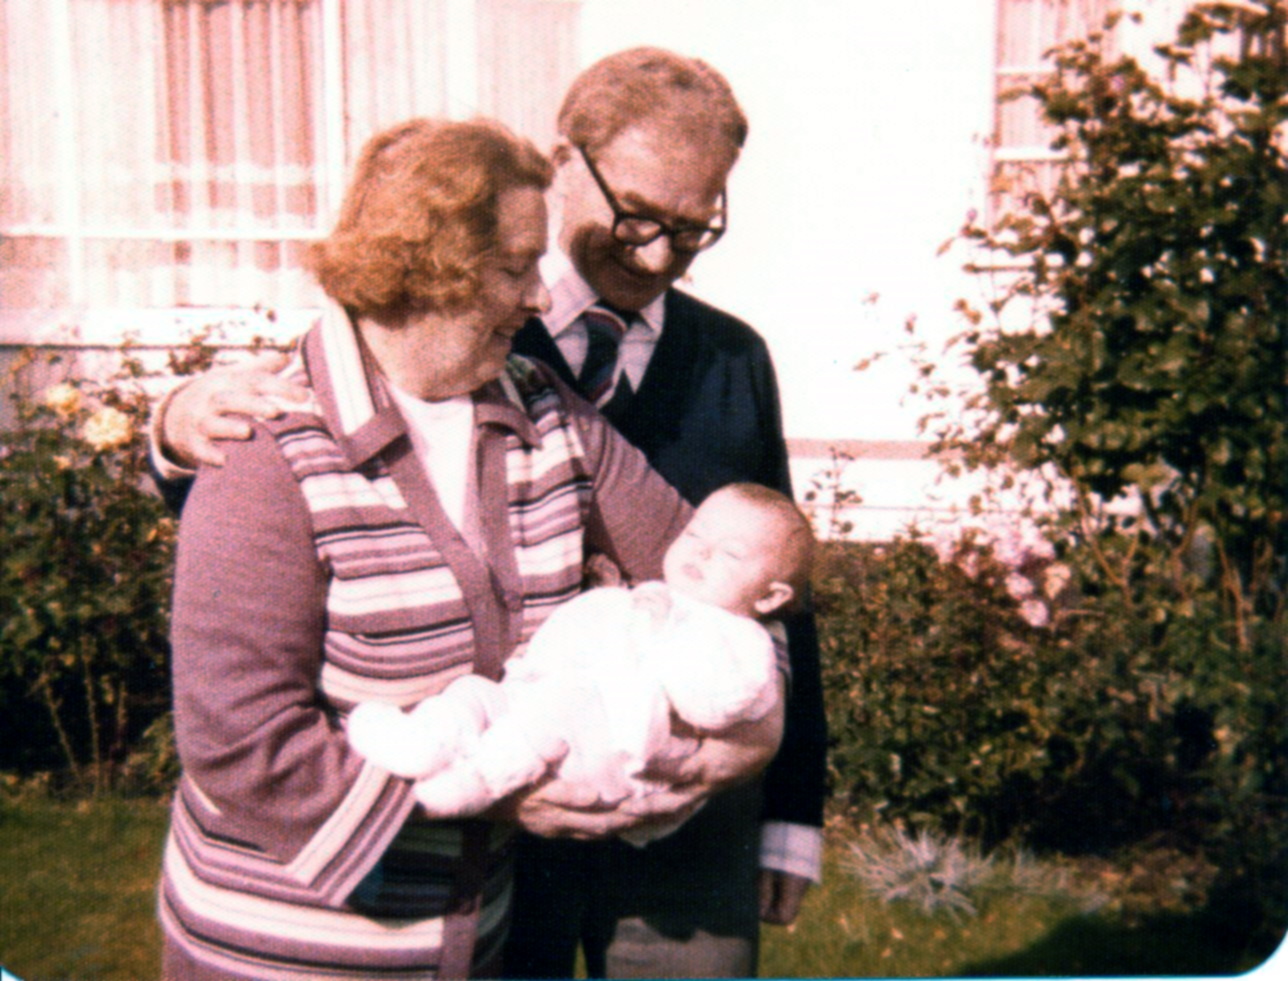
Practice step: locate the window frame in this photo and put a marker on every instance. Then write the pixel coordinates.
(1028, 162)
(71, 236)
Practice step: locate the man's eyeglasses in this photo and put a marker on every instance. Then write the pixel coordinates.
(638, 230)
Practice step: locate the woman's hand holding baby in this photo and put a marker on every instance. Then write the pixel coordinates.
(734, 755)
(562, 809)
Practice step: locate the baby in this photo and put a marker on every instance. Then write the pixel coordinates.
(616, 681)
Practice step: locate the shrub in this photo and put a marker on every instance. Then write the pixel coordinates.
(85, 579)
(1106, 718)
(930, 685)
(1148, 386)
(1153, 380)
(1154, 389)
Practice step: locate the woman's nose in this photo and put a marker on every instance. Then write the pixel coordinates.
(537, 298)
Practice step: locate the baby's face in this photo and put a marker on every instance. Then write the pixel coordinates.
(726, 555)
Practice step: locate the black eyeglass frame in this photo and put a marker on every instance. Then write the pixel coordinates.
(659, 228)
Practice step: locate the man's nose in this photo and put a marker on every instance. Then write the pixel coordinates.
(657, 256)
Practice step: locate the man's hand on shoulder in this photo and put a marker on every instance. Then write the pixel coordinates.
(220, 404)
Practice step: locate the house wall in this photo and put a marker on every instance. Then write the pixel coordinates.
(868, 150)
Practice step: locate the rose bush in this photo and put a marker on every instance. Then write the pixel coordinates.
(85, 577)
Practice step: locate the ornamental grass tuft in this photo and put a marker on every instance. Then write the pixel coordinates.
(938, 873)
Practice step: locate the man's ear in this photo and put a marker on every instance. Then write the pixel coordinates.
(778, 595)
(562, 156)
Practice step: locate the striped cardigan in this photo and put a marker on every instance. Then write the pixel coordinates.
(318, 569)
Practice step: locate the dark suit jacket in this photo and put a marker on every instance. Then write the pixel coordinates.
(707, 414)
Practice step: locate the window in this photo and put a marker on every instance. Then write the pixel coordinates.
(1026, 30)
(169, 153)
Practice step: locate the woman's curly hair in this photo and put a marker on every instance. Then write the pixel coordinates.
(421, 214)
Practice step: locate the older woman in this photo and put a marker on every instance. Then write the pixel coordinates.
(416, 521)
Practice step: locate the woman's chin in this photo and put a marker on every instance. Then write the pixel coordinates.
(492, 368)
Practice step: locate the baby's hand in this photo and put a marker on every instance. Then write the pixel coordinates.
(600, 570)
(652, 600)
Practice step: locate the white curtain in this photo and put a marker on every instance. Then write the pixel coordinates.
(238, 147)
(528, 53)
(1026, 30)
(158, 153)
(32, 268)
(165, 152)
(395, 65)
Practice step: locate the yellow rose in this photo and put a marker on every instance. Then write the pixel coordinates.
(63, 398)
(107, 429)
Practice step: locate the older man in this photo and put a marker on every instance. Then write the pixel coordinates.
(647, 140)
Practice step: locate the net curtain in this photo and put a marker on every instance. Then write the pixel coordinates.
(176, 152)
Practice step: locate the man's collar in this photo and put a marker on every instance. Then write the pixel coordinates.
(570, 296)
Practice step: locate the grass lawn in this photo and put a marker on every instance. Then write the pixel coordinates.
(843, 931)
(77, 895)
(78, 889)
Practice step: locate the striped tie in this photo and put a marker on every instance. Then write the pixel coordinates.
(604, 331)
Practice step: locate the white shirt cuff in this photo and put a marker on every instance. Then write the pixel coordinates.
(165, 468)
(793, 848)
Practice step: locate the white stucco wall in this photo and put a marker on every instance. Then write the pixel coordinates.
(868, 148)
(866, 152)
